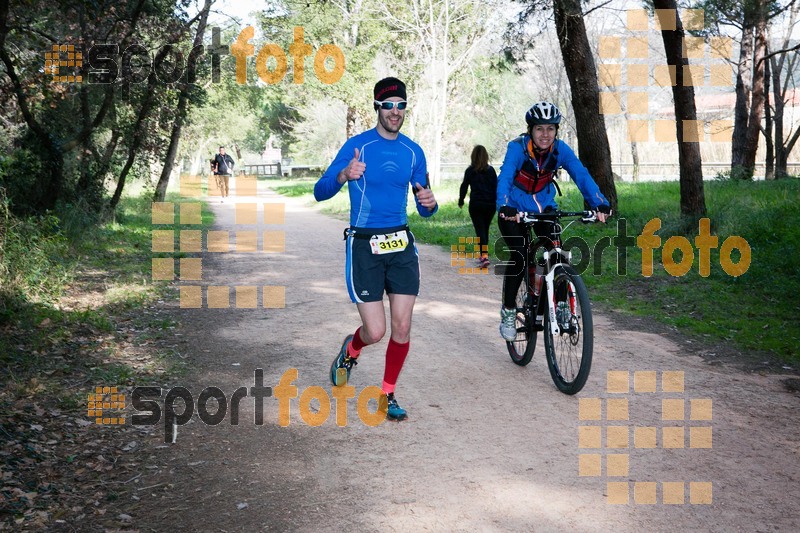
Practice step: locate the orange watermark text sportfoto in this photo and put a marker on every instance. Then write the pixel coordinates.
(704, 241)
(299, 50)
(143, 400)
(648, 241)
(107, 63)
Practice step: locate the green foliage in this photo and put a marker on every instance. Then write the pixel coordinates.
(755, 311)
(23, 175)
(106, 261)
(294, 188)
(33, 259)
(737, 173)
(75, 135)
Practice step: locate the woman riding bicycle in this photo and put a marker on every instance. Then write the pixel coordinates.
(527, 183)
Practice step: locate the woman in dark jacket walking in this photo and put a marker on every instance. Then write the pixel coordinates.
(482, 200)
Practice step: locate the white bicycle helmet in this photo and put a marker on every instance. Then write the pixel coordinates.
(543, 113)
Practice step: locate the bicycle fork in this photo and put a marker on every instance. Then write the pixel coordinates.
(549, 282)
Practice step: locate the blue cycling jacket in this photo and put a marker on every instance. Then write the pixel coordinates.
(561, 156)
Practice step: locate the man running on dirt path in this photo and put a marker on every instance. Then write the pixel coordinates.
(379, 165)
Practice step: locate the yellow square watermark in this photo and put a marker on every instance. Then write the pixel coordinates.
(191, 240)
(617, 465)
(218, 241)
(645, 437)
(246, 297)
(163, 269)
(274, 297)
(163, 213)
(590, 437)
(246, 213)
(700, 493)
(673, 437)
(638, 131)
(589, 465)
(163, 241)
(644, 492)
(618, 492)
(274, 241)
(590, 409)
(637, 20)
(274, 213)
(617, 409)
(637, 48)
(246, 241)
(191, 297)
(218, 297)
(246, 186)
(191, 268)
(617, 381)
(672, 381)
(617, 437)
(700, 437)
(672, 409)
(700, 409)
(672, 492)
(644, 381)
(190, 213)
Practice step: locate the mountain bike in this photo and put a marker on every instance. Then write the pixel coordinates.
(552, 298)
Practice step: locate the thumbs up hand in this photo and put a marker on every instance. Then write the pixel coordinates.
(424, 196)
(354, 169)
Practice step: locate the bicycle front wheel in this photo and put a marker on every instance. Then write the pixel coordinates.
(522, 347)
(569, 353)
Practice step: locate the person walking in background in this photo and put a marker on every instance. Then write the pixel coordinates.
(223, 168)
(481, 176)
(379, 166)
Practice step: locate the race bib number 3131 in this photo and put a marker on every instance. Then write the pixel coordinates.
(389, 243)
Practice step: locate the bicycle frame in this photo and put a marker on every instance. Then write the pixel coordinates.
(554, 252)
(564, 314)
(548, 280)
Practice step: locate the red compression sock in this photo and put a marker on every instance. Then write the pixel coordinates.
(356, 344)
(395, 357)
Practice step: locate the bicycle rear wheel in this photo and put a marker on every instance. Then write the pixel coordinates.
(522, 347)
(569, 354)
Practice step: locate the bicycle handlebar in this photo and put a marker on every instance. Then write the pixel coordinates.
(551, 216)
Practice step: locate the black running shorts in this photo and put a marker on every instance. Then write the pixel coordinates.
(368, 275)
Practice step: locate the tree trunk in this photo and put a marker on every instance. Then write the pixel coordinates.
(138, 129)
(183, 105)
(105, 161)
(172, 148)
(779, 63)
(55, 159)
(744, 82)
(350, 128)
(635, 156)
(693, 204)
(790, 147)
(85, 185)
(769, 171)
(593, 148)
(757, 104)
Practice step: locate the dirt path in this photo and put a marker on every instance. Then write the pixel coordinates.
(488, 445)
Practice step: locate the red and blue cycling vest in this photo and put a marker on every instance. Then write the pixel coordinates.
(538, 171)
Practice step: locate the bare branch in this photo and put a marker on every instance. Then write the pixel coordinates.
(595, 8)
(794, 48)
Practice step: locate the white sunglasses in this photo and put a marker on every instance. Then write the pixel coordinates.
(390, 105)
